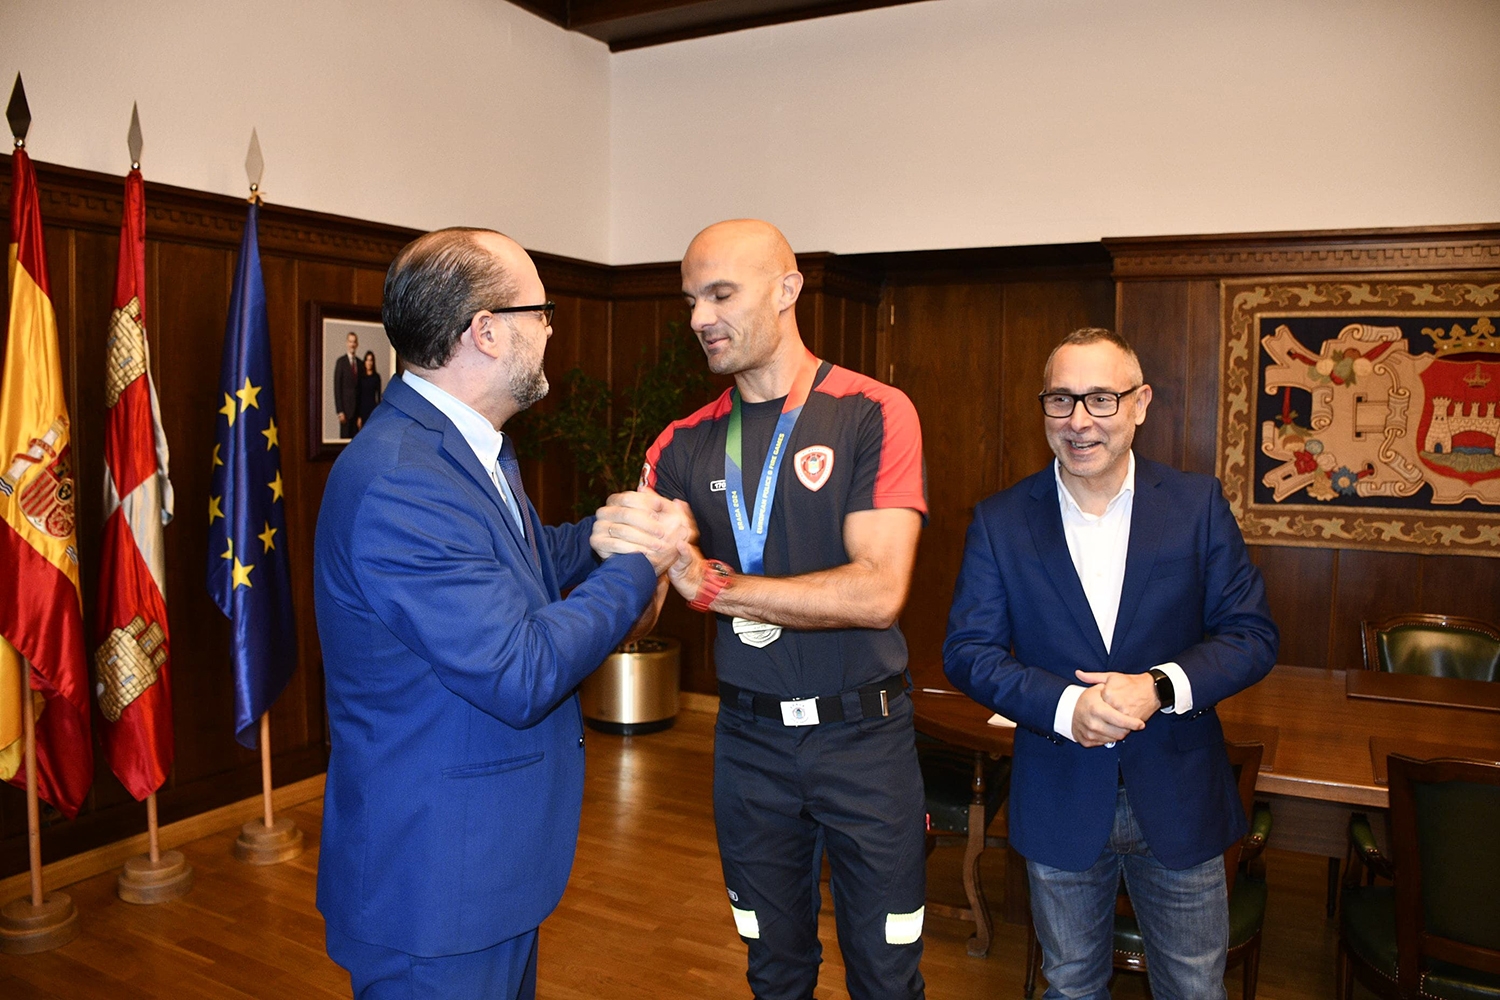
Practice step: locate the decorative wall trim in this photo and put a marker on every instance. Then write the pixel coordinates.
(1433, 248)
(822, 271)
(1051, 262)
(86, 199)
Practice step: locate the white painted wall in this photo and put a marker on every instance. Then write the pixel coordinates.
(949, 123)
(423, 114)
(958, 123)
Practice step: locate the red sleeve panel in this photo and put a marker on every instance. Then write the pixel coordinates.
(669, 481)
(902, 478)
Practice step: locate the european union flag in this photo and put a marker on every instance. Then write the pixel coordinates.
(247, 559)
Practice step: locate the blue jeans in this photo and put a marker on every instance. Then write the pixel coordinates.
(1183, 915)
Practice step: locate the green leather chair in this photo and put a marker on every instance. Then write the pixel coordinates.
(1430, 646)
(965, 790)
(1433, 646)
(1436, 931)
(1246, 883)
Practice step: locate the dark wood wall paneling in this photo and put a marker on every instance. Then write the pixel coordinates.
(964, 333)
(1168, 305)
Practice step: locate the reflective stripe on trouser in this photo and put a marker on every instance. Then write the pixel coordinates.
(781, 796)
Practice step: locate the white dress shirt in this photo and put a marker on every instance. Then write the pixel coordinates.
(1099, 544)
(477, 431)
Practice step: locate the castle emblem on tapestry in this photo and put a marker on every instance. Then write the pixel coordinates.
(1359, 413)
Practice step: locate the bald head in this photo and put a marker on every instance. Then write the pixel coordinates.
(740, 280)
(751, 243)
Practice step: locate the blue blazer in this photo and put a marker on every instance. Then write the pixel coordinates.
(455, 779)
(1020, 625)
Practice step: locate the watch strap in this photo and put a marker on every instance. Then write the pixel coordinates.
(715, 578)
(1166, 693)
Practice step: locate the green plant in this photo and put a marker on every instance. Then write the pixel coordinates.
(609, 458)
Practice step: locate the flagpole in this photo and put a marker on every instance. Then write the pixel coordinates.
(265, 767)
(152, 833)
(33, 807)
(268, 840)
(41, 922)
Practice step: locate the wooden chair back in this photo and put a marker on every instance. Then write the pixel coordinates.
(1444, 814)
(1245, 759)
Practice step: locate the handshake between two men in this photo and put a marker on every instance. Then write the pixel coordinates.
(644, 521)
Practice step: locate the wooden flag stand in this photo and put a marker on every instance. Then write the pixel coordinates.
(158, 875)
(272, 841)
(38, 922)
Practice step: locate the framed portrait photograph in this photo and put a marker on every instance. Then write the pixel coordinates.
(350, 361)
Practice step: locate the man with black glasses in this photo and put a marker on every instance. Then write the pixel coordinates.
(451, 657)
(1106, 604)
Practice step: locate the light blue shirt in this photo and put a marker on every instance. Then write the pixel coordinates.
(476, 430)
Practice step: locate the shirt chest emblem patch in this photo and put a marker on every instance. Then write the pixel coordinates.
(717, 486)
(813, 466)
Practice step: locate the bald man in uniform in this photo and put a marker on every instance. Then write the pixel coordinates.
(807, 486)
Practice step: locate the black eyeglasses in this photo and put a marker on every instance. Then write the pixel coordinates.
(1099, 403)
(545, 308)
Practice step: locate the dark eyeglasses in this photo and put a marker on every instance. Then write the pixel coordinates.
(1099, 403)
(545, 308)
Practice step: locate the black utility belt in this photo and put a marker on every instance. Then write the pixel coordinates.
(868, 702)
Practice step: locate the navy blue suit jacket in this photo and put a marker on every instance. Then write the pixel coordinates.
(455, 781)
(1020, 625)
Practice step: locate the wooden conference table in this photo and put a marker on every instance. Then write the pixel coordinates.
(1321, 744)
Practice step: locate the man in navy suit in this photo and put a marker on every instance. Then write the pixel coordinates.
(455, 778)
(345, 380)
(1106, 604)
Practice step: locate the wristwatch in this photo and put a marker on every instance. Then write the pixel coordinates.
(1165, 692)
(715, 578)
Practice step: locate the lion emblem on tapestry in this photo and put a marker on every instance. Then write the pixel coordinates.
(1359, 413)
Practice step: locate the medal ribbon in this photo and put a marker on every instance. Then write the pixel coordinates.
(750, 533)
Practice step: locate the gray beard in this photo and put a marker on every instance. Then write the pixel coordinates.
(529, 388)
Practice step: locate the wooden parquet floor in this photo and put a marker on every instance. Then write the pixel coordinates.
(645, 916)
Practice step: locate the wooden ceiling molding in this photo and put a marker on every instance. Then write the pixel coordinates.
(635, 24)
(1424, 248)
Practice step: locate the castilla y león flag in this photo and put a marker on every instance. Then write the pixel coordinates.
(41, 616)
(131, 639)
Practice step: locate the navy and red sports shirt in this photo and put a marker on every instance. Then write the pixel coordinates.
(856, 446)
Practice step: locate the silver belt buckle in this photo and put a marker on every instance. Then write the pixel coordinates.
(803, 712)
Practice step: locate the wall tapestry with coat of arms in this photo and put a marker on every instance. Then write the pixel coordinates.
(1363, 412)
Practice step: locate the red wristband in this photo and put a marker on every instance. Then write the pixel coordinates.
(715, 578)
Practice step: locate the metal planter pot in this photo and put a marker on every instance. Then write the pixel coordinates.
(635, 690)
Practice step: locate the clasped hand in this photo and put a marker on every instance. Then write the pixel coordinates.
(1113, 706)
(646, 522)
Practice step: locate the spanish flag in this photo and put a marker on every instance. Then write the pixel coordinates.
(41, 614)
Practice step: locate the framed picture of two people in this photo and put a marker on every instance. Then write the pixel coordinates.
(350, 362)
